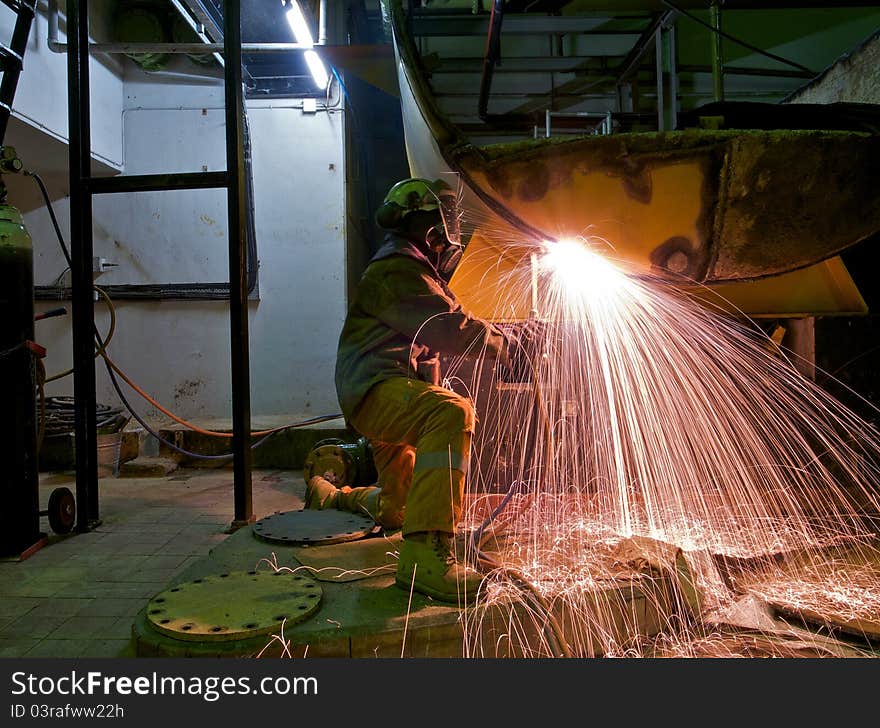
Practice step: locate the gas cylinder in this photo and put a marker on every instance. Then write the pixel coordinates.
(19, 485)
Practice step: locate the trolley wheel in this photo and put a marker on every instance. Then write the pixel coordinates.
(62, 510)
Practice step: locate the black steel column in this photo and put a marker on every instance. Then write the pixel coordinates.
(717, 52)
(491, 56)
(84, 392)
(238, 293)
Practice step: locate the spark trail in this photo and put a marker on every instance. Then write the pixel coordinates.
(652, 419)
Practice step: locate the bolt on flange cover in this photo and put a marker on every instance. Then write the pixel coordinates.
(233, 605)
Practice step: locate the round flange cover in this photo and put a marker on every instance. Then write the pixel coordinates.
(313, 527)
(233, 605)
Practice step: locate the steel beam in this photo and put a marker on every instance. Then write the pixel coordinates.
(81, 250)
(491, 56)
(522, 24)
(238, 288)
(717, 52)
(667, 77)
(621, 6)
(158, 182)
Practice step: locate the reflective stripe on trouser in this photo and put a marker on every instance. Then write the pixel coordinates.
(400, 415)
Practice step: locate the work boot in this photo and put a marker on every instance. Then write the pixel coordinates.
(427, 565)
(321, 495)
(363, 500)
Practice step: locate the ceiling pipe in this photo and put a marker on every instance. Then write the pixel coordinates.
(54, 45)
(491, 57)
(322, 23)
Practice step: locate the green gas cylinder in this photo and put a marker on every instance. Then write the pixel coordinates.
(19, 486)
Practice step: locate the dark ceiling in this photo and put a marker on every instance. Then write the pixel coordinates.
(566, 54)
(282, 73)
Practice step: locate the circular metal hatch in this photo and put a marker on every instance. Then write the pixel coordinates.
(313, 527)
(233, 605)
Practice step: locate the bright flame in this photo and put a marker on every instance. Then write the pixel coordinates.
(657, 436)
(579, 269)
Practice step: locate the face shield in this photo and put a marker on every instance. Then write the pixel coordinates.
(446, 202)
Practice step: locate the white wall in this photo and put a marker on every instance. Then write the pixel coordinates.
(41, 95)
(179, 350)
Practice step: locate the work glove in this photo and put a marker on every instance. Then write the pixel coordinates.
(526, 346)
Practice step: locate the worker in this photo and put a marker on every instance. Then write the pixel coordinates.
(402, 318)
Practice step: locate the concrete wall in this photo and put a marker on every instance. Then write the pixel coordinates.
(179, 350)
(41, 95)
(853, 78)
(38, 125)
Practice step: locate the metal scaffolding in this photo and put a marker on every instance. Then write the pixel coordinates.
(82, 188)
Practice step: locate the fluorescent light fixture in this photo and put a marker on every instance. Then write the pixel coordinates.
(316, 66)
(299, 25)
(303, 34)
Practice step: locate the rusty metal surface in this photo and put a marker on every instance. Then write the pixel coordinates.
(713, 206)
(791, 199)
(313, 527)
(329, 456)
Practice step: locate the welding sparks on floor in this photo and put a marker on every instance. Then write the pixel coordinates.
(668, 447)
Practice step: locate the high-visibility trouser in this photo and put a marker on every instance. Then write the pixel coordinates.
(421, 436)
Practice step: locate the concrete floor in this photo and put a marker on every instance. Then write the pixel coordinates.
(78, 595)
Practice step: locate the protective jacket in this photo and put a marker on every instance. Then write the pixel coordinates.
(402, 317)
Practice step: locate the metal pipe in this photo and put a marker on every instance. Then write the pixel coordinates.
(81, 248)
(178, 48)
(582, 114)
(717, 52)
(672, 58)
(661, 102)
(667, 79)
(491, 56)
(238, 297)
(52, 40)
(322, 22)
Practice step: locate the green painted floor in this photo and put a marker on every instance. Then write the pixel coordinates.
(88, 595)
(79, 595)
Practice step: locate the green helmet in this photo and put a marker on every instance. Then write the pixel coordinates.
(417, 194)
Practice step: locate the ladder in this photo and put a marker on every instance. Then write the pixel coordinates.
(82, 189)
(11, 57)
